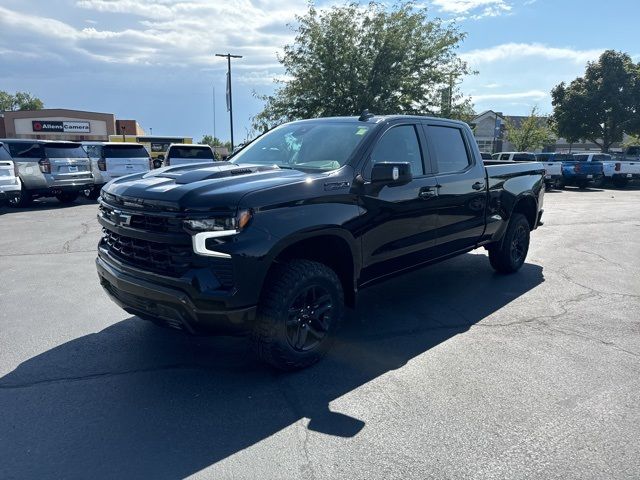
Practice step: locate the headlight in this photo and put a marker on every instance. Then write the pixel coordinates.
(220, 224)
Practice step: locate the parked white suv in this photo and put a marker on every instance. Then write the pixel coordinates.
(10, 184)
(186, 154)
(111, 160)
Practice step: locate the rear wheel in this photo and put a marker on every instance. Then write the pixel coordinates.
(509, 255)
(23, 199)
(298, 314)
(620, 182)
(67, 197)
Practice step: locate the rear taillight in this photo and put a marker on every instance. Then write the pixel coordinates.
(150, 163)
(16, 171)
(45, 165)
(618, 166)
(576, 168)
(102, 165)
(167, 162)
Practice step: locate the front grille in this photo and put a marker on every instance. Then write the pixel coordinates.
(143, 221)
(165, 259)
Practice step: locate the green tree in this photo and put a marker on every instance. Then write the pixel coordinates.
(601, 105)
(533, 132)
(390, 60)
(19, 101)
(215, 142)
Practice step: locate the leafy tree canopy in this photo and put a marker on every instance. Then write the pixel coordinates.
(388, 59)
(534, 132)
(601, 105)
(19, 101)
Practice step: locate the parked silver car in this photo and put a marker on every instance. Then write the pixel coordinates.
(49, 169)
(111, 160)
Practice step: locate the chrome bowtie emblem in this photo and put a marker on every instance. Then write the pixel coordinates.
(120, 218)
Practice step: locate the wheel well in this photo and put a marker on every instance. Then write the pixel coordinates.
(527, 207)
(330, 250)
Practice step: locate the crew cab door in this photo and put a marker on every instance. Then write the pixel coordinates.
(398, 220)
(462, 189)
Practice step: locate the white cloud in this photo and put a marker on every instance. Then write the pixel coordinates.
(163, 32)
(466, 6)
(515, 51)
(530, 94)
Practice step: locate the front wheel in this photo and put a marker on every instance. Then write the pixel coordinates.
(298, 314)
(509, 255)
(620, 182)
(67, 197)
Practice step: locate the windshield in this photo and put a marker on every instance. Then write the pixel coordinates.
(60, 151)
(196, 153)
(124, 151)
(319, 146)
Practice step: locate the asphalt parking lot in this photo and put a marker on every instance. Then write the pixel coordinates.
(448, 372)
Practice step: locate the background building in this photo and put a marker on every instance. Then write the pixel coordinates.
(490, 130)
(63, 124)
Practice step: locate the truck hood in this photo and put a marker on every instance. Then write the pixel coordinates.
(198, 187)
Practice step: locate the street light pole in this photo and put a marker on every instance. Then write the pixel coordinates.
(228, 56)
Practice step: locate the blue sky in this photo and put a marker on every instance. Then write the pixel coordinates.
(152, 60)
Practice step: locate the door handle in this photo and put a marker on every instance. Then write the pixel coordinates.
(478, 186)
(428, 192)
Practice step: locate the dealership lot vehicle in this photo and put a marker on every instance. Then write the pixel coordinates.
(274, 243)
(492, 375)
(185, 154)
(581, 172)
(552, 163)
(113, 160)
(10, 184)
(621, 172)
(49, 169)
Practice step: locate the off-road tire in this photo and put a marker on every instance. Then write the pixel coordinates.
(502, 256)
(285, 284)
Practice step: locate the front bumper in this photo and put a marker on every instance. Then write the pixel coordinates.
(177, 303)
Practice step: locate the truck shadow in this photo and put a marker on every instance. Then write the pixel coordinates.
(139, 401)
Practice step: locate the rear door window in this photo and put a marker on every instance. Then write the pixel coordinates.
(400, 144)
(581, 158)
(449, 147)
(25, 150)
(94, 151)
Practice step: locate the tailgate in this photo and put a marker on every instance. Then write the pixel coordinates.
(70, 169)
(117, 167)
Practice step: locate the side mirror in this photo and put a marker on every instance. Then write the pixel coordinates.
(157, 163)
(392, 173)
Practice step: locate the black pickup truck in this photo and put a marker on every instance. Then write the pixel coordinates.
(275, 242)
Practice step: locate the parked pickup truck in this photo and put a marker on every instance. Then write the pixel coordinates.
(620, 172)
(582, 171)
(277, 241)
(552, 163)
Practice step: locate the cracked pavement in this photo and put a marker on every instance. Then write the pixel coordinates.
(447, 372)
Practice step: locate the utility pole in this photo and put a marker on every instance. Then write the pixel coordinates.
(228, 56)
(214, 112)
